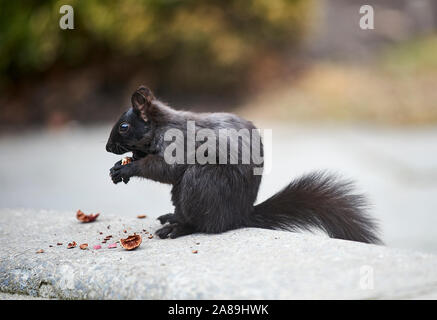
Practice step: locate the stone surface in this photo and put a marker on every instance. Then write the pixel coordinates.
(240, 264)
(13, 296)
(68, 170)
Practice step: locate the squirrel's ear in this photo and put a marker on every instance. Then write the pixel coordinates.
(141, 101)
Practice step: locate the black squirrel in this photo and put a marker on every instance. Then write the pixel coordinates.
(213, 198)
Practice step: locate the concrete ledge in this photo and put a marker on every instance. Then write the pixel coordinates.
(241, 264)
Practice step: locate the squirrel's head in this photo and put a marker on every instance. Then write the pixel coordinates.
(133, 131)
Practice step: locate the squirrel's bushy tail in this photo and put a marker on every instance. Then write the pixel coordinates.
(322, 201)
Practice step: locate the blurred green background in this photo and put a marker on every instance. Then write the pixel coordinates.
(308, 60)
(198, 50)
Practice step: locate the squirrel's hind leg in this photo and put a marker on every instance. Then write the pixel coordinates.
(174, 230)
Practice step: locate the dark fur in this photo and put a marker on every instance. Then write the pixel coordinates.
(214, 198)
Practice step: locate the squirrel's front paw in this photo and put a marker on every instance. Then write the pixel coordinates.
(120, 173)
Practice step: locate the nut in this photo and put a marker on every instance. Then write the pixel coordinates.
(40, 251)
(126, 160)
(84, 246)
(131, 242)
(86, 217)
(141, 216)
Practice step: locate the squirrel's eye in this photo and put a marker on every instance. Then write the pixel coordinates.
(124, 127)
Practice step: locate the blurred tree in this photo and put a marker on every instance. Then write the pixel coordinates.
(189, 45)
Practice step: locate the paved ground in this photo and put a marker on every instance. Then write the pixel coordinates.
(397, 168)
(68, 170)
(242, 264)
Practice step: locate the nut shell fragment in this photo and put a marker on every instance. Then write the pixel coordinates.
(86, 217)
(72, 245)
(40, 251)
(141, 216)
(131, 242)
(84, 246)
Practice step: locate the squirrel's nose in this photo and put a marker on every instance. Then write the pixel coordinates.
(109, 147)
